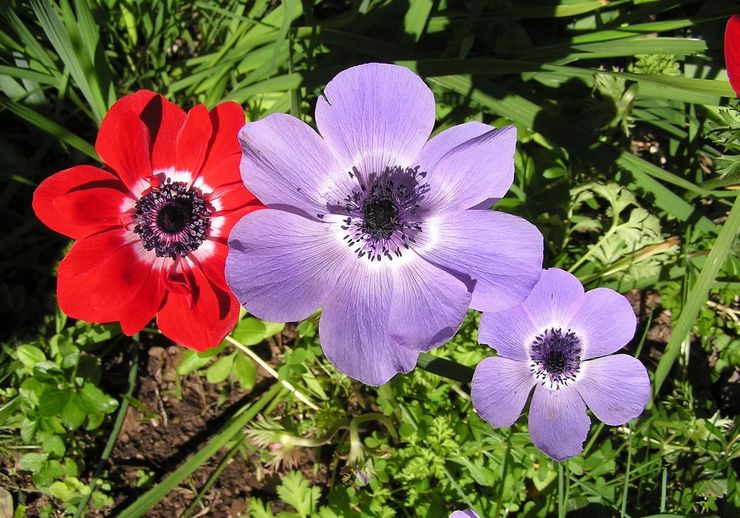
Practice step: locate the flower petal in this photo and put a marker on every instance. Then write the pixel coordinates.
(100, 275)
(376, 115)
(556, 297)
(615, 388)
(558, 423)
(222, 161)
(192, 141)
(427, 307)
(500, 252)
(142, 307)
(732, 51)
(286, 163)
(354, 327)
(500, 389)
(163, 119)
(479, 169)
(281, 266)
(201, 318)
(510, 332)
(63, 201)
(123, 144)
(604, 335)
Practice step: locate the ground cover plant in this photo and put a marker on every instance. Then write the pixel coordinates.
(626, 163)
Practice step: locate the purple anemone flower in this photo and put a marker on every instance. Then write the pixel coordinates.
(557, 342)
(384, 230)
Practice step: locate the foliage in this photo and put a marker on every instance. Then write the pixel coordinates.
(627, 162)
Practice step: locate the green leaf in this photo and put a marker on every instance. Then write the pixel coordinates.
(298, 493)
(54, 445)
(30, 355)
(92, 400)
(72, 415)
(53, 401)
(46, 370)
(245, 371)
(221, 369)
(250, 331)
(191, 361)
(33, 462)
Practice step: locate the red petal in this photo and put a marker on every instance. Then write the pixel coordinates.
(142, 306)
(163, 119)
(192, 141)
(222, 162)
(79, 201)
(732, 52)
(199, 320)
(213, 266)
(100, 276)
(123, 144)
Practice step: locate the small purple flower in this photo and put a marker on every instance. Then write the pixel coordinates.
(557, 342)
(467, 513)
(388, 232)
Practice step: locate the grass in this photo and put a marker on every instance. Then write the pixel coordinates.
(627, 130)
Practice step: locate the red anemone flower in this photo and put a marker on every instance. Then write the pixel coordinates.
(732, 52)
(151, 232)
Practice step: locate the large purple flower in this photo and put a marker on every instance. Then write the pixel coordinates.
(557, 342)
(384, 230)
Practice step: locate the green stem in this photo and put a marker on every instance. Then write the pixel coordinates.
(237, 422)
(561, 491)
(627, 474)
(115, 432)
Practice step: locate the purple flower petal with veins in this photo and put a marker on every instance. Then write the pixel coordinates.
(377, 225)
(556, 342)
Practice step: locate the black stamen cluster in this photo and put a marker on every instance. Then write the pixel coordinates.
(556, 356)
(172, 219)
(382, 212)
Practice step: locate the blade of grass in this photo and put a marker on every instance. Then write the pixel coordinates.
(49, 126)
(67, 45)
(698, 294)
(218, 441)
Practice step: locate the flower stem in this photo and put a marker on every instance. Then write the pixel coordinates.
(561, 491)
(298, 394)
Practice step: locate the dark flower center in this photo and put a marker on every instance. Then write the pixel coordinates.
(556, 357)
(379, 215)
(382, 212)
(172, 219)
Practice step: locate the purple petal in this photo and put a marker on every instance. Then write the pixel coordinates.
(467, 513)
(500, 252)
(470, 173)
(354, 326)
(500, 388)
(558, 423)
(376, 115)
(606, 321)
(557, 296)
(427, 307)
(615, 388)
(510, 332)
(285, 162)
(281, 266)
